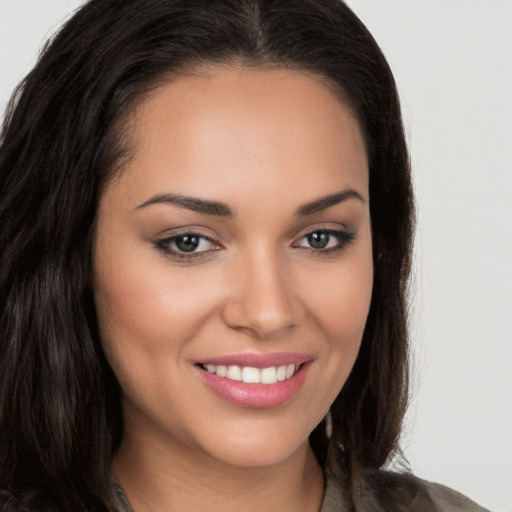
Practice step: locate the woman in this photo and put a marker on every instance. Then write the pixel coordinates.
(206, 229)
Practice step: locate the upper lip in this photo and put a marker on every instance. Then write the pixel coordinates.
(258, 360)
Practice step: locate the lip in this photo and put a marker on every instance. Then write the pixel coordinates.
(259, 360)
(257, 396)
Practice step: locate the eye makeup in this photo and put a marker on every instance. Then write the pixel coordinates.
(193, 246)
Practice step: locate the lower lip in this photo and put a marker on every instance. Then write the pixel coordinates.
(258, 396)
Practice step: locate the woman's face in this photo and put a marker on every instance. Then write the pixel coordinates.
(235, 244)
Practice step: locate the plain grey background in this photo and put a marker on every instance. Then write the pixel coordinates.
(452, 60)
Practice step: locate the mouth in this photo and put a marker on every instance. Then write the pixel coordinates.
(255, 381)
(251, 375)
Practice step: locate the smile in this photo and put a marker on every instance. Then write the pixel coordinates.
(251, 375)
(256, 381)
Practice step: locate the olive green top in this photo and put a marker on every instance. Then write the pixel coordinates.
(378, 494)
(379, 491)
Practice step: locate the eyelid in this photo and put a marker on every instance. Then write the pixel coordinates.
(345, 238)
(186, 229)
(163, 244)
(330, 227)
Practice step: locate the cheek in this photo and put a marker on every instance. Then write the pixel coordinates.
(148, 321)
(141, 298)
(339, 304)
(345, 307)
(340, 299)
(146, 312)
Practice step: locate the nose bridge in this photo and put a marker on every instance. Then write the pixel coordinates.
(262, 298)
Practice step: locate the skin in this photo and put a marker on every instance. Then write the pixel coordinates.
(264, 143)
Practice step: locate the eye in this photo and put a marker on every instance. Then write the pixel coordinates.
(186, 245)
(326, 240)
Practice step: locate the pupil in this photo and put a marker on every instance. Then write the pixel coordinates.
(318, 239)
(187, 243)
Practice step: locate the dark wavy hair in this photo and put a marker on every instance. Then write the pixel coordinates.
(63, 137)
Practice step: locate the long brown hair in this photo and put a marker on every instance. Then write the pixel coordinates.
(60, 418)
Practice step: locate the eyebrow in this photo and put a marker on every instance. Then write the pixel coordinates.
(223, 210)
(191, 203)
(327, 201)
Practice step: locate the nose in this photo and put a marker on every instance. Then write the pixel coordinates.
(261, 299)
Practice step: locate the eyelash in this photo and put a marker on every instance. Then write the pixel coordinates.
(165, 243)
(345, 238)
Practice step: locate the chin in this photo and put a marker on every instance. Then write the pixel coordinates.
(259, 448)
(249, 457)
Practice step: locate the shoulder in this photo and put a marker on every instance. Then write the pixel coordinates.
(415, 494)
(448, 499)
(384, 491)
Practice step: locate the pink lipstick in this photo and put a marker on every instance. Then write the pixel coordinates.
(255, 380)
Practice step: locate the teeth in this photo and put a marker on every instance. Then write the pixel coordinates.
(251, 375)
(234, 373)
(269, 375)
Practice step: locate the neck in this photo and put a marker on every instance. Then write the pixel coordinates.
(159, 476)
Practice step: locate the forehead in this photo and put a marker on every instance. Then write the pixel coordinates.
(228, 124)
